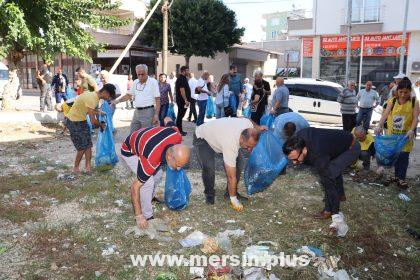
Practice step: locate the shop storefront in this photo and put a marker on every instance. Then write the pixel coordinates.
(374, 57)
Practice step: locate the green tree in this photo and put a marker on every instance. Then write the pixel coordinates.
(50, 27)
(196, 27)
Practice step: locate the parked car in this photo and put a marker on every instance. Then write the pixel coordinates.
(316, 100)
(4, 77)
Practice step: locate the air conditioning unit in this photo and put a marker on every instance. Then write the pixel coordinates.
(415, 67)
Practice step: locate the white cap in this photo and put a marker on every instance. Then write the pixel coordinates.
(400, 76)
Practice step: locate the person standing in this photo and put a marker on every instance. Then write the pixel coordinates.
(88, 83)
(165, 96)
(59, 85)
(247, 89)
(172, 80)
(145, 91)
(12, 91)
(203, 93)
(225, 136)
(348, 101)
(280, 101)
(44, 79)
(417, 89)
(192, 81)
(401, 114)
(397, 80)
(129, 103)
(86, 104)
(312, 146)
(235, 86)
(182, 97)
(153, 148)
(368, 99)
(222, 96)
(259, 98)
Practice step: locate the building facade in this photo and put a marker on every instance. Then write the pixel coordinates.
(246, 59)
(376, 40)
(115, 39)
(275, 27)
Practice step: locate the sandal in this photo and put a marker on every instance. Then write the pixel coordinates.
(390, 181)
(402, 184)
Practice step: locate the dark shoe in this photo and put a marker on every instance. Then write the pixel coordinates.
(189, 119)
(342, 198)
(323, 215)
(183, 133)
(238, 195)
(210, 200)
(402, 184)
(157, 200)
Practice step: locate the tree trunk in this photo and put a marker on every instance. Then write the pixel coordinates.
(187, 61)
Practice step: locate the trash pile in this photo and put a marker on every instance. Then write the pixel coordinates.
(157, 229)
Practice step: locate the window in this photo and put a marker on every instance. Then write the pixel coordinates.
(274, 34)
(329, 93)
(312, 91)
(293, 90)
(200, 67)
(275, 21)
(365, 11)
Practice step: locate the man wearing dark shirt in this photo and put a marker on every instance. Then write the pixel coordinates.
(330, 152)
(183, 97)
(259, 97)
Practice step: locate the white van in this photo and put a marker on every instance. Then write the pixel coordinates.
(4, 77)
(316, 100)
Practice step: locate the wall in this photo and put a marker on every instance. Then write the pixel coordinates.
(414, 53)
(217, 66)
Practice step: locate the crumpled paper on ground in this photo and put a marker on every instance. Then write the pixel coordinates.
(339, 224)
(154, 230)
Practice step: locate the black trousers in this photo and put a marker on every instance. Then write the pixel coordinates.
(349, 121)
(206, 158)
(332, 177)
(180, 115)
(193, 110)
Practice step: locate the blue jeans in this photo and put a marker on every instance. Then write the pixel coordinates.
(163, 113)
(202, 104)
(220, 111)
(401, 165)
(364, 116)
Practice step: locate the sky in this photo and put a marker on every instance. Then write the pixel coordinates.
(249, 13)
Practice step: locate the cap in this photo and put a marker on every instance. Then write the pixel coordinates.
(400, 76)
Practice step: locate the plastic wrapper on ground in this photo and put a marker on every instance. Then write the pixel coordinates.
(265, 163)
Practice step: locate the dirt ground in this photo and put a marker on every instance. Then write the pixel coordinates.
(52, 228)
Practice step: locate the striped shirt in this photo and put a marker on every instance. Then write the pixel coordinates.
(150, 145)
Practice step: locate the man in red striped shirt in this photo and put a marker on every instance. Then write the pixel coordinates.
(154, 147)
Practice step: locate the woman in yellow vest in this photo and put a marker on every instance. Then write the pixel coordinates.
(401, 115)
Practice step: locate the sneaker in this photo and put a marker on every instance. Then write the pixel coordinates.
(210, 200)
(157, 200)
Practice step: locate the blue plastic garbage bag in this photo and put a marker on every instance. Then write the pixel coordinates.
(265, 163)
(105, 147)
(171, 112)
(177, 189)
(210, 113)
(246, 112)
(388, 148)
(268, 120)
(282, 119)
(70, 93)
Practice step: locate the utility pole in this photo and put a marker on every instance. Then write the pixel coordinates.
(348, 45)
(165, 37)
(404, 38)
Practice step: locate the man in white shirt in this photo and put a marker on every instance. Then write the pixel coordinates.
(368, 99)
(192, 81)
(203, 94)
(146, 99)
(247, 89)
(225, 136)
(417, 89)
(171, 80)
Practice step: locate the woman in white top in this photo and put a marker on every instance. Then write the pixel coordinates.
(222, 97)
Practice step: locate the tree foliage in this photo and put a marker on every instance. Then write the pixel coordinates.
(196, 27)
(50, 27)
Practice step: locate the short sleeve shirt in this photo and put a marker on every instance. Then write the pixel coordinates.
(79, 110)
(182, 82)
(223, 136)
(145, 93)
